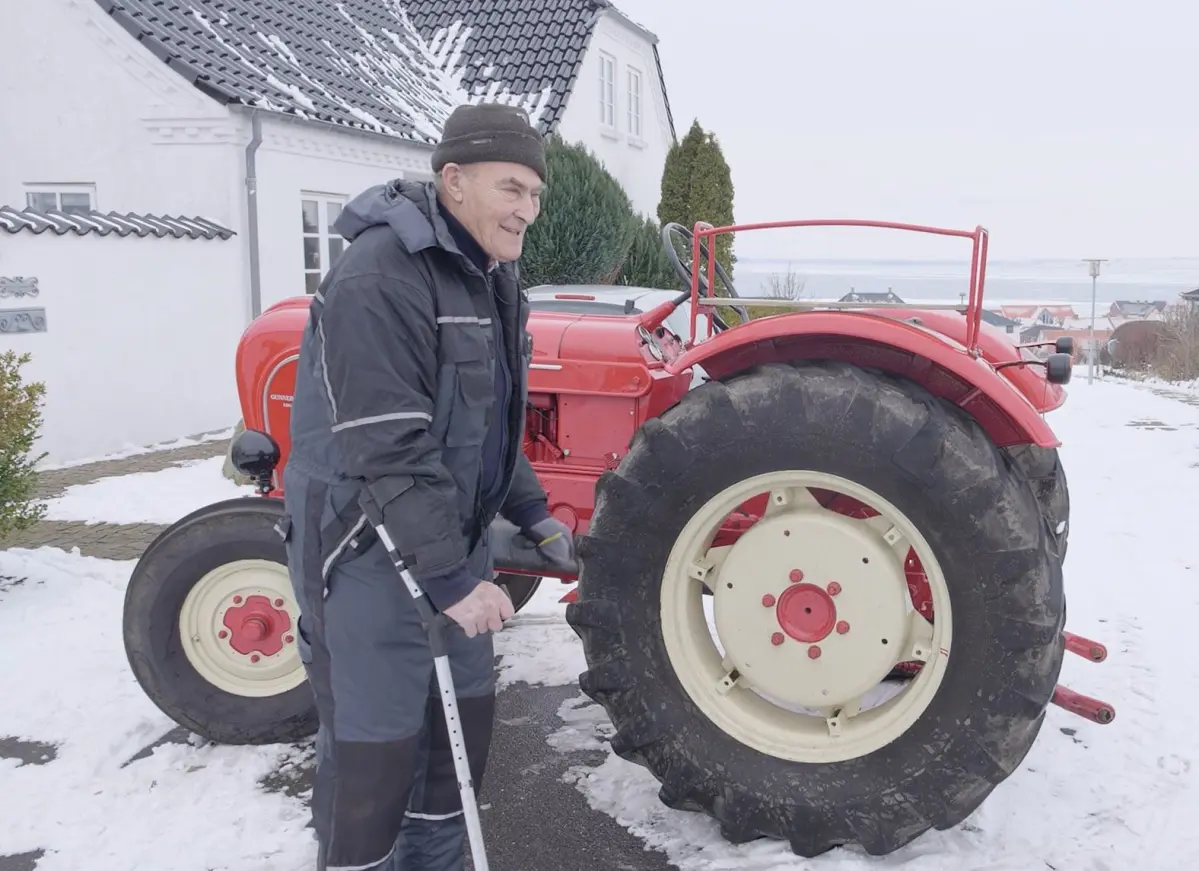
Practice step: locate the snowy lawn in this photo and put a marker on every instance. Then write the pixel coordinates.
(138, 450)
(147, 497)
(1088, 798)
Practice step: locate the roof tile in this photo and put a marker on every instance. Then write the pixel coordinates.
(397, 67)
(13, 220)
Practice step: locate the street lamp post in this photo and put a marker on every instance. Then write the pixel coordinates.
(1091, 352)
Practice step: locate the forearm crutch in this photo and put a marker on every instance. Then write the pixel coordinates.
(434, 624)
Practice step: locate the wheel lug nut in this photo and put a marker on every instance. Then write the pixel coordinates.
(255, 658)
(278, 603)
(842, 628)
(768, 601)
(834, 588)
(288, 639)
(796, 576)
(814, 652)
(222, 634)
(237, 600)
(776, 639)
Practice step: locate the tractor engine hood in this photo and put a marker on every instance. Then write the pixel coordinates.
(590, 338)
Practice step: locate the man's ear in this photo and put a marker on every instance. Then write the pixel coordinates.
(452, 177)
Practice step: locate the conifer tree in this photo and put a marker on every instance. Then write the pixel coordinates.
(697, 185)
(647, 264)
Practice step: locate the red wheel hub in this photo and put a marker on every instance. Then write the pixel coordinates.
(257, 626)
(806, 613)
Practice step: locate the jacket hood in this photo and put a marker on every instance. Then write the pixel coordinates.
(408, 207)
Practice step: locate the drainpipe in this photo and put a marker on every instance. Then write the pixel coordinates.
(252, 209)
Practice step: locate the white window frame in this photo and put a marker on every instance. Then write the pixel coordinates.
(57, 189)
(607, 90)
(324, 233)
(634, 84)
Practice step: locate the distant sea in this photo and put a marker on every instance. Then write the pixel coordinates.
(1007, 282)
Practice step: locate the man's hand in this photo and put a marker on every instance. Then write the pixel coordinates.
(553, 538)
(484, 609)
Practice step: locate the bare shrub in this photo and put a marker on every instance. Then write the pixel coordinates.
(1177, 357)
(788, 285)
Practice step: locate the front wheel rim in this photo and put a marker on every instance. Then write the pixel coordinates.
(813, 612)
(238, 628)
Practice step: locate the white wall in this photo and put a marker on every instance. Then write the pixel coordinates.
(99, 108)
(140, 337)
(297, 158)
(636, 162)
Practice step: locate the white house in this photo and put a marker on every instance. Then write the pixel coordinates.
(251, 124)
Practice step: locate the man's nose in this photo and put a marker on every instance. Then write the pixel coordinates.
(528, 209)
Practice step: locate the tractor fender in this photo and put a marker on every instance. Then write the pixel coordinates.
(939, 364)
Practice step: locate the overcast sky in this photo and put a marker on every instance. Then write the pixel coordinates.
(1068, 128)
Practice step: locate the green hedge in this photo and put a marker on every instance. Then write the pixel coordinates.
(20, 423)
(586, 225)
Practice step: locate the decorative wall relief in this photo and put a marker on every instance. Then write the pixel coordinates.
(18, 287)
(22, 320)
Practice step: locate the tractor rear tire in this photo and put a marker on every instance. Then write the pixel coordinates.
(1044, 470)
(233, 543)
(978, 517)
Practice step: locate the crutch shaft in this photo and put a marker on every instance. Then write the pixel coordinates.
(434, 624)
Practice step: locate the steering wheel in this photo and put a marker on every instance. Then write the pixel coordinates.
(684, 271)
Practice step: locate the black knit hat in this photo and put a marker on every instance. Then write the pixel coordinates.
(490, 132)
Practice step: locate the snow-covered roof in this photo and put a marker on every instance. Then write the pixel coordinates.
(1139, 308)
(13, 220)
(396, 67)
(870, 296)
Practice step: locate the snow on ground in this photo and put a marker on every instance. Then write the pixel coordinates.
(537, 646)
(64, 680)
(138, 450)
(147, 497)
(1088, 798)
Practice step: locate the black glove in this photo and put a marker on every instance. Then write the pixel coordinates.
(553, 539)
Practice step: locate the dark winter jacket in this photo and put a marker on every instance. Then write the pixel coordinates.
(412, 381)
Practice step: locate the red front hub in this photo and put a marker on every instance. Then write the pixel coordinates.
(257, 626)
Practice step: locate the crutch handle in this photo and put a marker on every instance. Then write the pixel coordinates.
(433, 621)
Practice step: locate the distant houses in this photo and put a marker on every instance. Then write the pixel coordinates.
(1138, 309)
(998, 319)
(876, 298)
(1046, 322)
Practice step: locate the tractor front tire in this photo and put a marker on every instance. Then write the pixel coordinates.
(689, 719)
(210, 627)
(519, 588)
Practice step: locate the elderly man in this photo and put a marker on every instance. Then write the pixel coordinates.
(411, 385)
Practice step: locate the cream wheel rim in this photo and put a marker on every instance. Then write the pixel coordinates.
(812, 610)
(238, 629)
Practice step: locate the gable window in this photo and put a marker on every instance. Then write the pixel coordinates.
(634, 102)
(74, 199)
(607, 83)
(322, 244)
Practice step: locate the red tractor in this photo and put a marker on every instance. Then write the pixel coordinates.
(820, 552)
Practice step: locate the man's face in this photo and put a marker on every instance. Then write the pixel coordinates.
(496, 202)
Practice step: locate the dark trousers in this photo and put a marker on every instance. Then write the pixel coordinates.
(385, 796)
